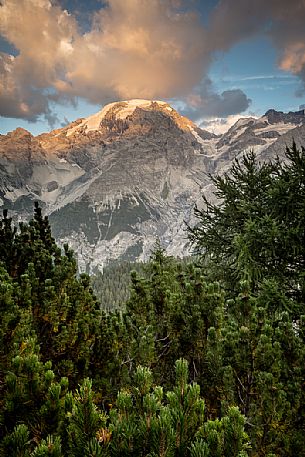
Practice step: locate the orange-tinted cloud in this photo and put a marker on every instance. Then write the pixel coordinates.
(293, 58)
(42, 34)
(281, 20)
(136, 48)
(140, 48)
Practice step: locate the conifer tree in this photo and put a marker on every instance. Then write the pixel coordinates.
(235, 322)
(253, 241)
(256, 229)
(65, 314)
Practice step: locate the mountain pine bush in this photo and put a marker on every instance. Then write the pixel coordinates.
(205, 358)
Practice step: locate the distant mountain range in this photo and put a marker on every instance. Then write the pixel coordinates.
(116, 181)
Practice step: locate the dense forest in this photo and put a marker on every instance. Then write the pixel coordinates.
(112, 285)
(203, 358)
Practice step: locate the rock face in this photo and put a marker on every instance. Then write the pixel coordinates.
(257, 134)
(116, 181)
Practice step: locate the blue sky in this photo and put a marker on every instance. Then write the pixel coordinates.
(256, 72)
(215, 60)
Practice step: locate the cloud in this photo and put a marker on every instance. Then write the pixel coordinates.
(135, 48)
(233, 21)
(144, 48)
(205, 102)
(219, 125)
(42, 34)
(17, 100)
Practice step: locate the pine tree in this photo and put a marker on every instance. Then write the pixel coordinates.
(32, 395)
(85, 424)
(253, 241)
(65, 314)
(256, 229)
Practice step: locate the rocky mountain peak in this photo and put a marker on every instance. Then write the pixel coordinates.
(130, 117)
(293, 117)
(114, 182)
(18, 144)
(20, 132)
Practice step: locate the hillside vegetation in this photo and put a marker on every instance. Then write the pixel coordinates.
(205, 358)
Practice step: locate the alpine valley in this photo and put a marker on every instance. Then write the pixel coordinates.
(116, 181)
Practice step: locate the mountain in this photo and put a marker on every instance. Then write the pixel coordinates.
(258, 134)
(116, 181)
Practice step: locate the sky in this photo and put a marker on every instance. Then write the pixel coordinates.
(213, 60)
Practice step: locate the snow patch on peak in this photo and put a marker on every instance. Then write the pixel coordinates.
(138, 102)
(121, 110)
(127, 107)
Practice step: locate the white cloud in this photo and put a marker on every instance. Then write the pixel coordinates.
(219, 125)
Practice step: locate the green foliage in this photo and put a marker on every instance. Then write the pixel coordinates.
(143, 422)
(253, 241)
(16, 444)
(32, 394)
(256, 231)
(148, 422)
(51, 447)
(112, 285)
(222, 438)
(232, 325)
(171, 311)
(84, 423)
(41, 280)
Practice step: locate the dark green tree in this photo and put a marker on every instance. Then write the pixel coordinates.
(253, 241)
(255, 230)
(43, 280)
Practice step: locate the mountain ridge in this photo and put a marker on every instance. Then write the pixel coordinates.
(114, 182)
